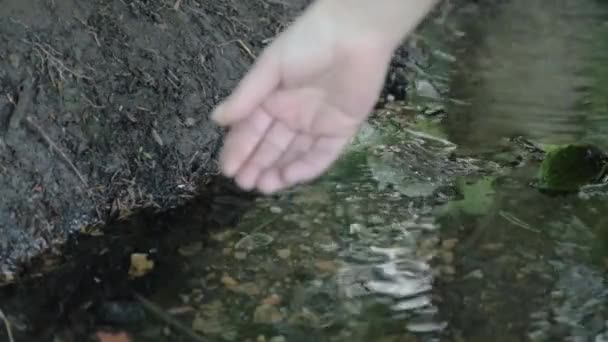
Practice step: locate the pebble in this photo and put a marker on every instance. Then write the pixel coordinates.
(284, 253)
(267, 314)
(228, 281)
(449, 243)
(274, 299)
(326, 266)
(477, 274)
(240, 255)
(276, 210)
(278, 339)
(492, 246)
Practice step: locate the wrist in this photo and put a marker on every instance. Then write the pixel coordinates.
(385, 21)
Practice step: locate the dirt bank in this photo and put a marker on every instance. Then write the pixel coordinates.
(104, 106)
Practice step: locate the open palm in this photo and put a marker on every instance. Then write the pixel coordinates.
(299, 106)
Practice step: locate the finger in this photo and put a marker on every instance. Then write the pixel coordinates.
(242, 140)
(299, 146)
(268, 151)
(316, 161)
(306, 110)
(271, 180)
(252, 90)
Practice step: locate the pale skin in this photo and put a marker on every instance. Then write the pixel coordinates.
(309, 91)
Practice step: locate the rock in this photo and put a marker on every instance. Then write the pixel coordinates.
(267, 314)
(276, 210)
(254, 241)
(250, 289)
(273, 299)
(326, 266)
(424, 88)
(567, 168)
(228, 281)
(476, 274)
(284, 253)
(449, 244)
(278, 339)
(240, 255)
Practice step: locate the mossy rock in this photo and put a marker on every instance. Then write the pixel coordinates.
(567, 168)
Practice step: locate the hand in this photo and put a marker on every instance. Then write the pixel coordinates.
(301, 103)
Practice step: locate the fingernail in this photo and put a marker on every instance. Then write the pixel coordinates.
(216, 115)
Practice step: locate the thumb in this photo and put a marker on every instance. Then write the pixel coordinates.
(251, 92)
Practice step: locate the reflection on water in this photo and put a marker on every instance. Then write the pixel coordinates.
(527, 71)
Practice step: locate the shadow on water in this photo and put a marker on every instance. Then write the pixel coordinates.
(428, 229)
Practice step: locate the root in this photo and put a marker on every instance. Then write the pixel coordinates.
(55, 148)
(52, 59)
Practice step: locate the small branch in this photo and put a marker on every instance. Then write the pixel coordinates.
(7, 324)
(55, 148)
(162, 315)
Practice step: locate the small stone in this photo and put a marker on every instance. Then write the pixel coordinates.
(267, 314)
(14, 60)
(273, 299)
(261, 338)
(278, 339)
(477, 274)
(228, 281)
(424, 88)
(250, 289)
(449, 243)
(227, 251)
(326, 266)
(190, 122)
(240, 255)
(284, 253)
(356, 228)
(276, 210)
(492, 247)
(305, 248)
(390, 98)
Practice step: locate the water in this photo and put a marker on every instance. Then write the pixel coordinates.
(402, 241)
(428, 229)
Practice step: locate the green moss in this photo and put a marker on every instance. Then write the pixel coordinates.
(569, 167)
(478, 197)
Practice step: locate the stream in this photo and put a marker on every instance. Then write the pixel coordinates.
(429, 228)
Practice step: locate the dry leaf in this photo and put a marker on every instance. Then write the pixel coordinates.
(140, 265)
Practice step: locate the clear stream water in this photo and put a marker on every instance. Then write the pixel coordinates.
(428, 229)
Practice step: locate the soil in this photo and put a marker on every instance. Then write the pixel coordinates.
(104, 107)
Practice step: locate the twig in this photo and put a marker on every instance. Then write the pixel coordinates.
(246, 48)
(55, 148)
(514, 220)
(7, 324)
(177, 4)
(162, 315)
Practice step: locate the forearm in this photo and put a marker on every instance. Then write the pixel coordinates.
(391, 20)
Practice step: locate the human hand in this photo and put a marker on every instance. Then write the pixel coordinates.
(303, 100)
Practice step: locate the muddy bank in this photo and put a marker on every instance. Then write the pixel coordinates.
(104, 107)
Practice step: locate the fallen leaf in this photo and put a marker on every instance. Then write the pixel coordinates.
(140, 265)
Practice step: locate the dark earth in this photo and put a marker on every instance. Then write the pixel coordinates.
(104, 107)
(104, 127)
